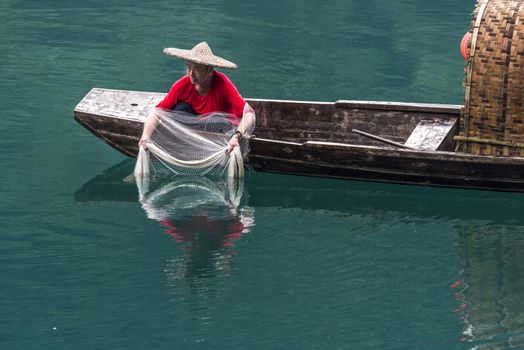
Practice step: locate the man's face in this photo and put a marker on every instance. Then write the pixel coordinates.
(198, 73)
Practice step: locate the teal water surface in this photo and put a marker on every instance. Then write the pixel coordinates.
(270, 262)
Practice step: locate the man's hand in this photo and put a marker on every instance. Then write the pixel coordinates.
(234, 142)
(143, 142)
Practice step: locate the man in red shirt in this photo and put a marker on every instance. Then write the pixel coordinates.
(203, 90)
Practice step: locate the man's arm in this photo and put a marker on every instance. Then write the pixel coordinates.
(149, 126)
(245, 128)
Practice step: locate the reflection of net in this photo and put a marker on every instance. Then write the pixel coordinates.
(206, 216)
(181, 197)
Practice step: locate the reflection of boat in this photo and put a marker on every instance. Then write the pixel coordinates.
(113, 184)
(344, 197)
(489, 235)
(316, 138)
(398, 201)
(206, 215)
(492, 290)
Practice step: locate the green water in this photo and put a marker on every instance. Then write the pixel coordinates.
(283, 263)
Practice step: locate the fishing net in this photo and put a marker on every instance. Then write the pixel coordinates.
(188, 145)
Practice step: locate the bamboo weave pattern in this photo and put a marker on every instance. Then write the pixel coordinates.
(494, 106)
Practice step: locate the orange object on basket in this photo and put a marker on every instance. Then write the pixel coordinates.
(465, 45)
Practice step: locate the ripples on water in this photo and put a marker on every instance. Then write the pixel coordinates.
(364, 263)
(490, 293)
(206, 216)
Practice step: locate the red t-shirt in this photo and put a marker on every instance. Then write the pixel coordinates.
(222, 97)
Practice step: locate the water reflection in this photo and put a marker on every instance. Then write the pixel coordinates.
(491, 291)
(204, 214)
(389, 202)
(488, 227)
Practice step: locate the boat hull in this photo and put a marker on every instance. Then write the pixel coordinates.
(337, 158)
(387, 165)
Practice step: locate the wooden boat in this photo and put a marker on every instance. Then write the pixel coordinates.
(394, 142)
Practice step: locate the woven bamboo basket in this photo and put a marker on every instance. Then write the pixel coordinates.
(492, 121)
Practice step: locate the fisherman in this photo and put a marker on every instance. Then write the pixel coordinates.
(203, 90)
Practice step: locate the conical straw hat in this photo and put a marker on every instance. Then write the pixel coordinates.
(201, 54)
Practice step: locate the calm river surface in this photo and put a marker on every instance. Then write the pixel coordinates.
(272, 262)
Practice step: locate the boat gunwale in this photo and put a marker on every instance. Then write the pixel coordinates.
(349, 104)
(377, 150)
(448, 155)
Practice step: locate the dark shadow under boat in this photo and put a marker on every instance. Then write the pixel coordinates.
(342, 197)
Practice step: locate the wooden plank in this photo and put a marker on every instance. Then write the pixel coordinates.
(119, 103)
(436, 136)
(400, 106)
(261, 163)
(121, 134)
(367, 156)
(381, 139)
(324, 122)
(430, 135)
(321, 144)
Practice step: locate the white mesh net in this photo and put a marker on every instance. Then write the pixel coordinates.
(189, 145)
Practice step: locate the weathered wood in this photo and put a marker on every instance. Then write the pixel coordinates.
(315, 139)
(121, 134)
(432, 135)
(381, 139)
(389, 165)
(324, 121)
(400, 106)
(130, 105)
